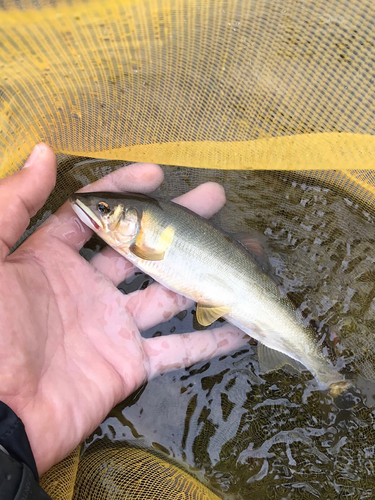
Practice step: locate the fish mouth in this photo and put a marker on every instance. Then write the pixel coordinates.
(85, 214)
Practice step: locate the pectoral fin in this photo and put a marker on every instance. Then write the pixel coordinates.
(206, 315)
(141, 250)
(146, 253)
(270, 360)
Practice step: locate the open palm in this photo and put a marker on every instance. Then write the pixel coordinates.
(70, 346)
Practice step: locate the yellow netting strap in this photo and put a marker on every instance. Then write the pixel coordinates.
(298, 152)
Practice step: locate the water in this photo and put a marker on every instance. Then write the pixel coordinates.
(245, 433)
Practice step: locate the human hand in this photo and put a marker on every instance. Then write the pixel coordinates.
(70, 345)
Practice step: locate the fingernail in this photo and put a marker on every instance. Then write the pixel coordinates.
(33, 157)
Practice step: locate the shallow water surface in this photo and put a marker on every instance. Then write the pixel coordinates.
(245, 433)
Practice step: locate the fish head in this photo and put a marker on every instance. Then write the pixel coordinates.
(114, 218)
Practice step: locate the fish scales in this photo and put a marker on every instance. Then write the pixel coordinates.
(205, 264)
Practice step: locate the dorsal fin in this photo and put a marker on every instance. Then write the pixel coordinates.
(256, 244)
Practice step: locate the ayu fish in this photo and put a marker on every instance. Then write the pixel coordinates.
(190, 256)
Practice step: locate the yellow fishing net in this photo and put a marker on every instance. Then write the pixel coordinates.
(218, 83)
(226, 89)
(120, 471)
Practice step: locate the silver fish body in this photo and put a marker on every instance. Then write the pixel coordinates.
(190, 256)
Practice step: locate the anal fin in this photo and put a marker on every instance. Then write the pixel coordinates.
(146, 253)
(207, 314)
(270, 360)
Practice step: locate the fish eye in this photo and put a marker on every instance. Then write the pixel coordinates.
(103, 208)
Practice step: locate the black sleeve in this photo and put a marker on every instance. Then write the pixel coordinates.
(18, 472)
(17, 481)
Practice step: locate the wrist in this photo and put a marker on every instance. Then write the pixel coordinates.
(14, 440)
(19, 476)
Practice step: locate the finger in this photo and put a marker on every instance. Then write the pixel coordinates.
(171, 352)
(113, 265)
(205, 200)
(155, 305)
(65, 224)
(24, 193)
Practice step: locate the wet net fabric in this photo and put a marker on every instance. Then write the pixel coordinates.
(275, 101)
(119, 471)
(59, 481)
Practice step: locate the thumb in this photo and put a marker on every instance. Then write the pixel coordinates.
(24, 193)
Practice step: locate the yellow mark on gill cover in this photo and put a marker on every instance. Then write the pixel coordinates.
(116, 217)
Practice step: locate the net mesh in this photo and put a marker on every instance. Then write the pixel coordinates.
(227, 89)
(224, 84)
(118, 471)
(58, 482)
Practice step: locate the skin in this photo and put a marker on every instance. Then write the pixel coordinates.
(71, 345)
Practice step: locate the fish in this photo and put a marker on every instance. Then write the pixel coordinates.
(192, 257)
